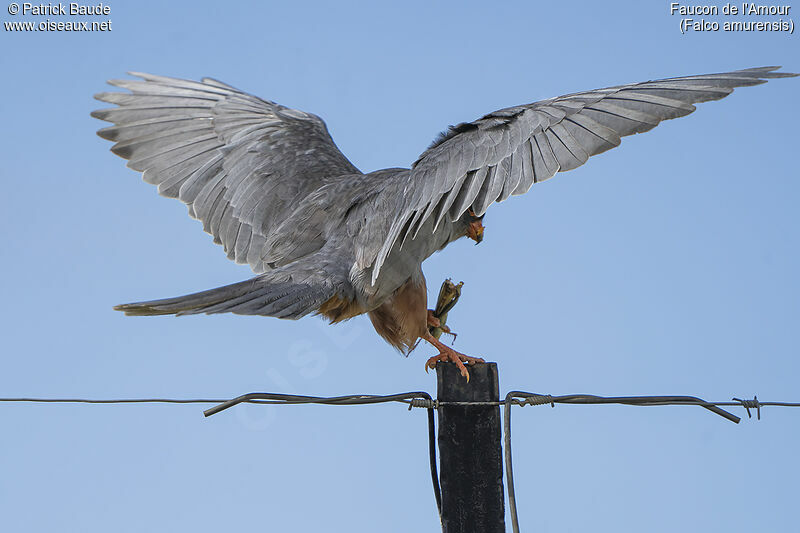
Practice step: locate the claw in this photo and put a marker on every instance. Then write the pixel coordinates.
(448, 354)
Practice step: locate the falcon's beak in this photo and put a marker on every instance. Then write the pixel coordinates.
(475, 231)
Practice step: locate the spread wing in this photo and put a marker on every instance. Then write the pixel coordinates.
(477, 163)
(238, 162)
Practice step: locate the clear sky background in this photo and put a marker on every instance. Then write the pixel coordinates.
(666, 266)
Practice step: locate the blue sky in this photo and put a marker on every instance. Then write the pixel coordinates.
(666, 266)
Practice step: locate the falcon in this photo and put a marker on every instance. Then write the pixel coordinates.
(273, 189)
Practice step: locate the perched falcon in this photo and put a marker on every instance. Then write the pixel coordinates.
(274, 190)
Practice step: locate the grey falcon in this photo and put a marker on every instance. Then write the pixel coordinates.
(273, 189)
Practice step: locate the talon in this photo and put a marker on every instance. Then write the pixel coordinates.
(448, 354)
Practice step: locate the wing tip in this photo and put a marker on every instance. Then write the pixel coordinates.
(101, 114)
(122, 150)
(783, 75)
(135, 309)
(104, 96)
(108, 97)
(768, 72)
(137, 74)
(147, 309)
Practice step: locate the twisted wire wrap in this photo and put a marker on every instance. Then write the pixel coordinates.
(750, 404)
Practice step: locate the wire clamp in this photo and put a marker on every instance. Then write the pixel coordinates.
(425, 403)
(539, 399)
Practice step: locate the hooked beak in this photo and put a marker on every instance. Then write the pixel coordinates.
(475, 231)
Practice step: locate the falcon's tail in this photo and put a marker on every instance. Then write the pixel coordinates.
(256, 296)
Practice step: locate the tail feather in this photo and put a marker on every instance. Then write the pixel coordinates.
(256, 296)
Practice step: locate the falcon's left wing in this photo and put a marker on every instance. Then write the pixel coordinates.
(477, 163)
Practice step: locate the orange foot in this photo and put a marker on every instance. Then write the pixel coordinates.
(448, 354)
(434, 322)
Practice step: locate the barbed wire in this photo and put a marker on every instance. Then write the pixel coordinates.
(115, 400)
(529, 398)
(421, 399)
(412, 399)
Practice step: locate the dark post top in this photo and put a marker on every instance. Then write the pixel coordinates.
(483, 385)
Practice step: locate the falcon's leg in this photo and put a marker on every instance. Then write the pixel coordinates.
(434, 322)
(448, 354)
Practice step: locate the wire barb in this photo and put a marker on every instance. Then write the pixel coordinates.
(748, 404)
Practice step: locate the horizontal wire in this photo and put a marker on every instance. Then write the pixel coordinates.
(264, 398)
(529, 398)
(357, 399)
(419, 399)
(116, 400)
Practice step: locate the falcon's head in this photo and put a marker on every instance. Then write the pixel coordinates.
(474, 226)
